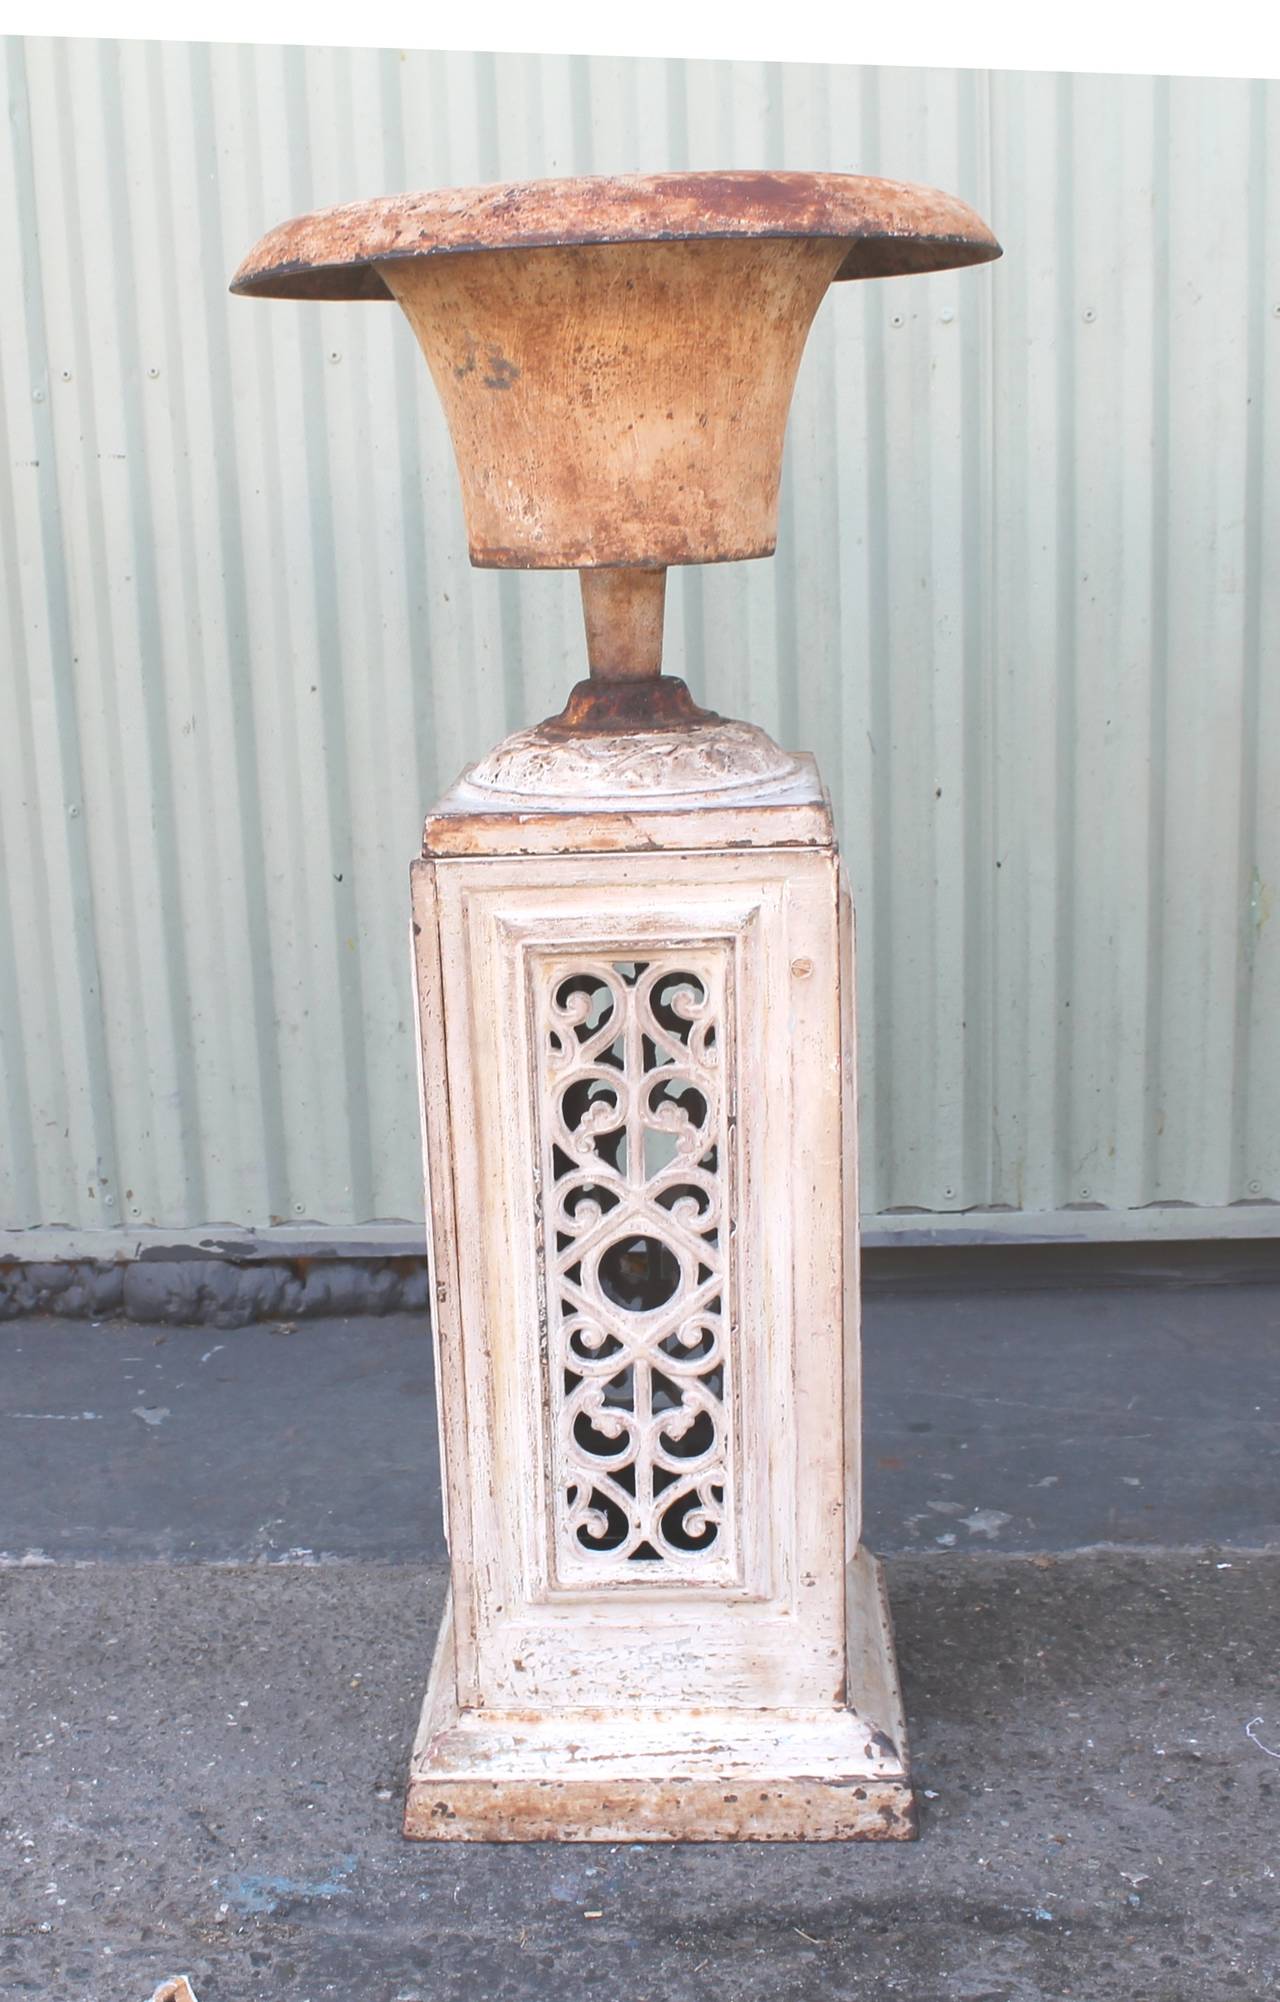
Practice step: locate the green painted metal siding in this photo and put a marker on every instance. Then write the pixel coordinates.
(1025, 606)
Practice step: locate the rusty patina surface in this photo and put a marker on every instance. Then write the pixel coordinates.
(805, 1809)
(618, 404)
(889, 226)
(602, 706)
(616, 354)
(623, 612)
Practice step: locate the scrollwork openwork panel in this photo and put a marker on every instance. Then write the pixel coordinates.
(632, 1102)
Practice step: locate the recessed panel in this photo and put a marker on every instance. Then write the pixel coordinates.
(632, 1066)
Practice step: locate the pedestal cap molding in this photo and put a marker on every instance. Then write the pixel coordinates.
(703, 759)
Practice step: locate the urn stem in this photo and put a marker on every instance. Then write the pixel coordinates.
(623, 609)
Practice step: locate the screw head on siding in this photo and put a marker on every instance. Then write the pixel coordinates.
(1089, 315)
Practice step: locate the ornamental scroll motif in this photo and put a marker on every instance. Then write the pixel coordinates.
(635, 1205)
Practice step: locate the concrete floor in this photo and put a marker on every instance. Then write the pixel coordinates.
(223, 1579)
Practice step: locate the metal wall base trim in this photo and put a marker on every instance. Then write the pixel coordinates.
(246, 1244)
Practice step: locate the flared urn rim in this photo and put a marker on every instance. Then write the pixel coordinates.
(890, 227)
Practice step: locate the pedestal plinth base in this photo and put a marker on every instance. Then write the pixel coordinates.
(711, 1775)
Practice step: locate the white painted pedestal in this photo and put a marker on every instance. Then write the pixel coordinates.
(634, 959)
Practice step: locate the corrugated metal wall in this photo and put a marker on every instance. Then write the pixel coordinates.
(1025, 605)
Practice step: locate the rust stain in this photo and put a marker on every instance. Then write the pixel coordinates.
(623, 611)
(806, 1808)
(650, 702)
(644, 390)
(616, 354)
(889, 226)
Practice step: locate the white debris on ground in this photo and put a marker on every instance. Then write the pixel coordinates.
(986, 1522)
(177, 1989)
